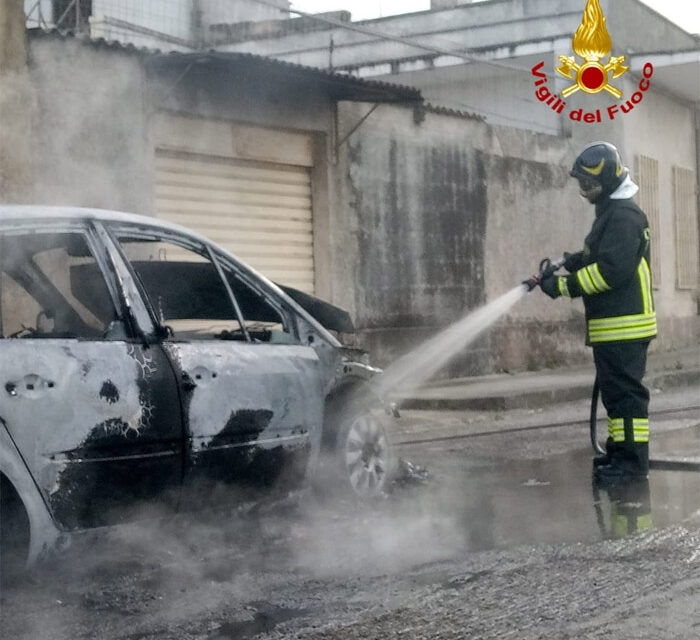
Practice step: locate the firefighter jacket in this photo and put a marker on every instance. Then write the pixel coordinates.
(612, 275)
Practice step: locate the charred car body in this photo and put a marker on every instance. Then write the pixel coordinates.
(141, 365)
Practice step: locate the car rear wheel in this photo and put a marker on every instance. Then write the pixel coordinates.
(14, 533)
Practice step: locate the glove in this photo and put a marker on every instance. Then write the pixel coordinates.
(550, 286)
(573, 261)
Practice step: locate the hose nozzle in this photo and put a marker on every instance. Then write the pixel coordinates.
(546, 269)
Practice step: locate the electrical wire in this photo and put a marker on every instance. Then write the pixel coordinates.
(381, 35)
(373, 33)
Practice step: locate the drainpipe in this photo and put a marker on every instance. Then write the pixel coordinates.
(16, 107)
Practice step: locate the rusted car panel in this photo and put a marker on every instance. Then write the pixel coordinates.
(141, 364)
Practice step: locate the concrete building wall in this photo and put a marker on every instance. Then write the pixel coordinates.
(664, 125)
(94, 140)
(17, 107)
(94, 144)
(503, 96)
(464, 28)
(444, 215)
(162, 24)
(226, 12)
(471, 27)
(413, 210)
(90, 136)
(630, 18)
(433, 218)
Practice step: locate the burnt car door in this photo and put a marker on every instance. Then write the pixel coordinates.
(251, 394)
(92, 409)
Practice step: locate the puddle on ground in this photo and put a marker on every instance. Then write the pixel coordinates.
(461, 505)
(556, 500)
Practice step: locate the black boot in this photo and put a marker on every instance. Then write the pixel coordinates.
(605, 458)
(628, 461)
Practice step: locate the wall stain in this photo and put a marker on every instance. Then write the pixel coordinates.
(421, 238)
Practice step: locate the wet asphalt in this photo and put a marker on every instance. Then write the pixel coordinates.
(505, 504)
(513, 478)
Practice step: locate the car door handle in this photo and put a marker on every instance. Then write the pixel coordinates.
(11, 388)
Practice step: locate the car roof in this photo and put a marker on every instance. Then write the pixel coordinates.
(29, 213)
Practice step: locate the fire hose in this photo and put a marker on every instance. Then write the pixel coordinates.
(548, 268)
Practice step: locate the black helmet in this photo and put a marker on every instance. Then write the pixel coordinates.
(599, 170)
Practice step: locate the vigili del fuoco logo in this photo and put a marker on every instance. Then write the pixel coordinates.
(592, 44)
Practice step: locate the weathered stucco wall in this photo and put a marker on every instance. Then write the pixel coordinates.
(502, 96)
(666, 125)
(90, 134)
(16, 107)
(444, 215)
(419, 257)
(98, 108)
(433, 218)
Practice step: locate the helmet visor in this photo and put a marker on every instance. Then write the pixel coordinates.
(589, 188)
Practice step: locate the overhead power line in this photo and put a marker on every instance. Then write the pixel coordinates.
(381, 35)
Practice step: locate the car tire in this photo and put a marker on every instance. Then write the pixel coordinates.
(14, 533)
(356, 457)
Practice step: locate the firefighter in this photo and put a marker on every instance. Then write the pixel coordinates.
(613, 277)
(629, 508)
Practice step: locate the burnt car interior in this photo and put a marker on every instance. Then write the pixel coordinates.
(41, 290)
(191, 300)
(263, 321)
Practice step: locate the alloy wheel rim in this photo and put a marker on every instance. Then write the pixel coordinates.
(366, 454)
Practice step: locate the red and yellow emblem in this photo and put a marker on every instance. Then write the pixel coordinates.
(592, 42)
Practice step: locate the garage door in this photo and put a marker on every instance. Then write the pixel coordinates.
(259, 211)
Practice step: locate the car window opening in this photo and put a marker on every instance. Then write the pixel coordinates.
(191, 301)
(52, 287)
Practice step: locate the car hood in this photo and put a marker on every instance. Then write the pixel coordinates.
(327, 314)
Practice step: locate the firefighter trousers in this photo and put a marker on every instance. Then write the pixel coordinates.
(620, 368)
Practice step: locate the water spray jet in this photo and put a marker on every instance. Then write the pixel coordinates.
(411, 370)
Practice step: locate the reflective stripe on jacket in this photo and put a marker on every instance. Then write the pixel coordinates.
(614, 277)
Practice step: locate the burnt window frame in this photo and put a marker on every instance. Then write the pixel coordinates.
(157, 234)
(266, 290)
(86, 229)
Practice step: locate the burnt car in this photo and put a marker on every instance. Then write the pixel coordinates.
(143, 365)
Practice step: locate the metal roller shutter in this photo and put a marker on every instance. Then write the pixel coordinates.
(259, 211)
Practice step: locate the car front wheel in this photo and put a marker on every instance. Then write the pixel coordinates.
(356, 453)
(363, 454)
